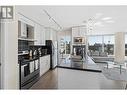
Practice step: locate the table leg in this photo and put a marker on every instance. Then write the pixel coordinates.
(107, 65)
(120, 69)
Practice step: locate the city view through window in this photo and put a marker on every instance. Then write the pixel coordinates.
(101, 45)
(97, 45)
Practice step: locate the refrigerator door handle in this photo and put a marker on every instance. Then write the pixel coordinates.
(53, 50)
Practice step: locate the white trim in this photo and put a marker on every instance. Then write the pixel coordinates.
(0, 52)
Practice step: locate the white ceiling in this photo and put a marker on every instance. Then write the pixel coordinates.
(106, 18)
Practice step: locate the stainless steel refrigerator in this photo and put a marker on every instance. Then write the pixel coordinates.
(53, 51)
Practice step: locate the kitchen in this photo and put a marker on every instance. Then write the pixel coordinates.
(35, 54)
(32, 43)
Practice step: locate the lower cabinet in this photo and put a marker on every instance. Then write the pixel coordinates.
(44, 64)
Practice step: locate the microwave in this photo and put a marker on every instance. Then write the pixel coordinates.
(22, 29)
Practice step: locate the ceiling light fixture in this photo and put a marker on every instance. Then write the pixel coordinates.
(110, 21)
(98, 15)
(51, 18)
(98, 24)
(107, 18)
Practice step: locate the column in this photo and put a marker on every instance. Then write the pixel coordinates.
(120, 47)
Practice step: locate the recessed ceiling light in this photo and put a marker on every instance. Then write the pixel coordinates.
(98, 24)
(84, 21)
(110, 21)
(98, 15)
(107, 18)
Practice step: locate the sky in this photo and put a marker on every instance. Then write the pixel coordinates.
(99, 39)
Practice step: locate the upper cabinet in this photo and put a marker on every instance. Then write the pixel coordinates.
(25, 28)
(47, 33)
(50, 34)
(22, 28)
(39, 35)
(25, 20)
(42, 35)
(25, 31)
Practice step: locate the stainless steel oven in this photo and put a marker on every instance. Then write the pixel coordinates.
(25, 71)
(29, 73)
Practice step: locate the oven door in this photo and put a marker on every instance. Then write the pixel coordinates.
(25, 71)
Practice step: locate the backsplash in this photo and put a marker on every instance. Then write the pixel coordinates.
(23, 45)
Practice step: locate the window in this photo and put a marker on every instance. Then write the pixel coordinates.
(68, 44)
(65, 44)
(95, 43)
(125, 44)
(109, 44)
(99, 44)
(62, 46)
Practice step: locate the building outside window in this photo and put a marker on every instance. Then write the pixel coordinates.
(125, 44)
(65, 45)
(109, 44)
(68, 40)
(95, 45)
(99, 44)
(62, 46)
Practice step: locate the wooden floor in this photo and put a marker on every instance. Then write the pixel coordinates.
(48, 81)
(60, 78)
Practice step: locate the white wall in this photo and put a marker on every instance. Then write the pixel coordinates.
(10, 76)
